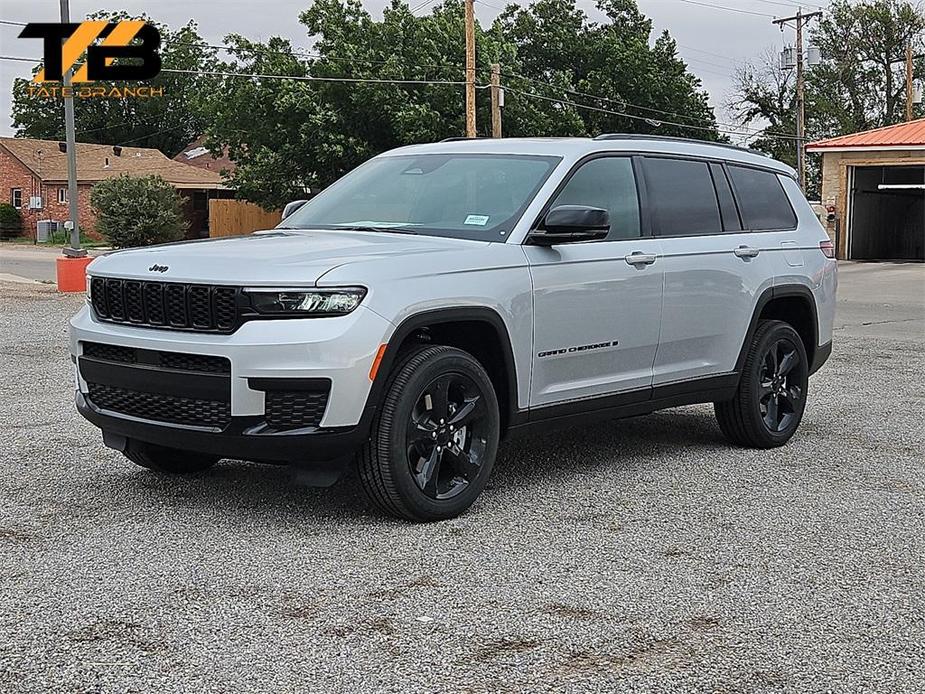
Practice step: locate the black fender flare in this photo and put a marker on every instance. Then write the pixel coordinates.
(435, 317)
(769, 294)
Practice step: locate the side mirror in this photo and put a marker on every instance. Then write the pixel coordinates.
(292, 207)
(572, 224)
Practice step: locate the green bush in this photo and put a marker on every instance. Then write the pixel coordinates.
(10, 221)
(137, 211)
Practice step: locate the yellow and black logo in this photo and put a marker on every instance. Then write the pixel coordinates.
(116, 51)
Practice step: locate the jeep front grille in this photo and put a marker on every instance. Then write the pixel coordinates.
(198, 307)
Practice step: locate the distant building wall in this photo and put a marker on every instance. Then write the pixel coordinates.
(835, 182)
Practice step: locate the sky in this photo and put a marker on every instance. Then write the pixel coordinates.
(713, 37)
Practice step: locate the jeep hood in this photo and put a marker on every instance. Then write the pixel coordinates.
(273, 258)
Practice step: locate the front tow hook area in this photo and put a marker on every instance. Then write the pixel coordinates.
(320, 473)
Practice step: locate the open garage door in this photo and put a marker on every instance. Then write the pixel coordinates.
(887, 218)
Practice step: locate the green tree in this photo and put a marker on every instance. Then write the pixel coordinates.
(286, 136)
(167, 122)
(137, 211)
(861, 83)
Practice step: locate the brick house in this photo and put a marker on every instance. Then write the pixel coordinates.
(33, 178)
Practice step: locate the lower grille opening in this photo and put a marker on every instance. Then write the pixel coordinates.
(162, 408)
(181, 361)
(294, 409)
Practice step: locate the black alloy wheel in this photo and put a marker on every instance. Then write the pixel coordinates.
(446, 438)
(434, 440)
(780, 395)
(769, 402)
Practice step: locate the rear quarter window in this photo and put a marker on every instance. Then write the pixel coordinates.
(763, 203)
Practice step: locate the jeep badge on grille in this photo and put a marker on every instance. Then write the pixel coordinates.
(158, 268)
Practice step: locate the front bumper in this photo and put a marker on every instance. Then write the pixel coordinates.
(335, 351)
(244, 438)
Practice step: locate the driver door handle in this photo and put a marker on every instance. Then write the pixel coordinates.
(640, 258)
(746, 252)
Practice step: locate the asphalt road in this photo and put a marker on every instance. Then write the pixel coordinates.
(637, 556)
(22, 261)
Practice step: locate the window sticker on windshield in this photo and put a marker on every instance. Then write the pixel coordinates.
(477, 219)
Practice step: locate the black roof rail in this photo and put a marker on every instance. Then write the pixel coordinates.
(462, 139)
(669, 138)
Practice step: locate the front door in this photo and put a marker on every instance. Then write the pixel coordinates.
(597, 305)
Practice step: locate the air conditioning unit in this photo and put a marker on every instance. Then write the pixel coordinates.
(35, 202)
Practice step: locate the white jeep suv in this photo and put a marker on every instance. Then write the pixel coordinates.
(442, 295)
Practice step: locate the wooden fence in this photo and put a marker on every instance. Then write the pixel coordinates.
(238, 217)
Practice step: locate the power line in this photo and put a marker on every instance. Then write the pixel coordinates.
(312, 78)
(623, 104)
(727, 9)
(651, 121)
(739, 130)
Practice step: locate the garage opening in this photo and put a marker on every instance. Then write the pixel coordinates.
(887, 220)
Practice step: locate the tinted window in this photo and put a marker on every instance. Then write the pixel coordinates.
(762, 200)
(608, 183)
(682, 197)
(727, 205)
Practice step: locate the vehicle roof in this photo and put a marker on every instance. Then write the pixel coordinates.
(573, 148)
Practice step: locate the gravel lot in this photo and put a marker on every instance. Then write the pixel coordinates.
(643, 555)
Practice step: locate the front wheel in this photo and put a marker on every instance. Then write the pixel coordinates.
(167, 460)
(769, 403)
(435, 438)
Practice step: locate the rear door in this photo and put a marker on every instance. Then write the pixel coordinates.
(714, 268)
(597, 305)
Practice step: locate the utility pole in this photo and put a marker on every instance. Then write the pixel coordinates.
(801, 21)
(470, 68)
(909, 86)
(75, 251)
(496, 100)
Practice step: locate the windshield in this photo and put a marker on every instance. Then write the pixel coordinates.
(472, 196)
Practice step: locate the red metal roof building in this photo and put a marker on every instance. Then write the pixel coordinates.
(902, 136)
(874, 181)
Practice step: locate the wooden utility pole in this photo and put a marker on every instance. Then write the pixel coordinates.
(801, 20)
(496, 100)
(470, 68)
(909, 85)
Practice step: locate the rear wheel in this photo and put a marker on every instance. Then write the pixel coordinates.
(771, 397)
(168, 460)
(435, 438)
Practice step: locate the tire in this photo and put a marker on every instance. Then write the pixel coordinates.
(771, 397)
(435, 437)
(167, 460)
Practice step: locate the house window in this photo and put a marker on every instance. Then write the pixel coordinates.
(62, 195)
(16, 197)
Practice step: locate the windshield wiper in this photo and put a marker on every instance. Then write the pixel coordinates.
(371, 227)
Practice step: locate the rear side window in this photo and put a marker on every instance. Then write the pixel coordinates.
(682, 197)
(608, 183)
(763, 203)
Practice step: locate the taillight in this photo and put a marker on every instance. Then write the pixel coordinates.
(827, 248)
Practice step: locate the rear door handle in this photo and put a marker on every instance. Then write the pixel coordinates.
(746, 252)
(640, 258)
